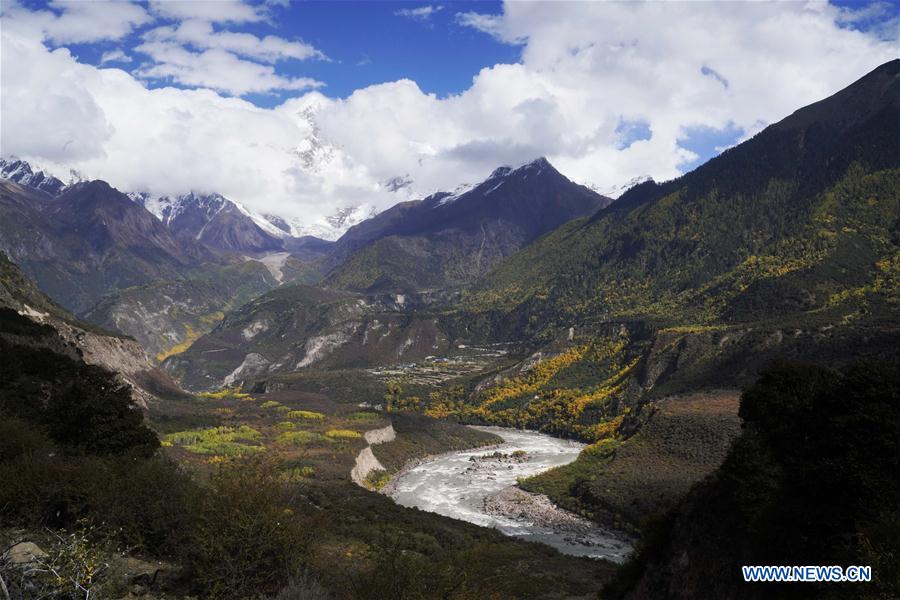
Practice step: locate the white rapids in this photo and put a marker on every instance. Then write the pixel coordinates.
(449, 485)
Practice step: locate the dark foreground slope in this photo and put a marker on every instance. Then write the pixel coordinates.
(811, 481)
(56, 330)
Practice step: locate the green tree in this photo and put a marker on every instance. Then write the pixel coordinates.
(394, 389)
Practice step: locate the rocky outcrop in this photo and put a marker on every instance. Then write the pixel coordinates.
(253, 365)
(121, 355)
(366, 462)
(381, 436)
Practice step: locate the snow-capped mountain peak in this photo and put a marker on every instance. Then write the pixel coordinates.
(457, 192)
(617, 190)
(327, 228)
(21, 172)
(169, 208)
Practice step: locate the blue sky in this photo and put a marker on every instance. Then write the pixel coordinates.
(297, 107)
(366, 43)
(369, 43)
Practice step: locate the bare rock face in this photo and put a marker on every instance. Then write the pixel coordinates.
(366, 461)
(123, 356)
(253, 364)
(381, 436)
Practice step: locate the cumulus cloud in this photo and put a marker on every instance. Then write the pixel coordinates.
(118, 55)
(73, 21)
(422, 13)
(200, 34)
(215, 69)
(218, 11)
(194, 53)
(607, 91)
(493, 25)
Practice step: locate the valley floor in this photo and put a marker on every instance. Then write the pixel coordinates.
(313, 440)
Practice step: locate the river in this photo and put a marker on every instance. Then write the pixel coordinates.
(458, 484)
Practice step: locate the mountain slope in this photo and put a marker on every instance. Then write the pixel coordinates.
(299, 326)
(89, 240)
(802, 217)
(214, 221)
(167, 316)
(787, 245)
(451, 239)
(19, 171)
(58, 331)
(165, 282)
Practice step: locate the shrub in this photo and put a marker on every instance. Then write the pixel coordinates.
(226, 393)
(120, 492)
(377, 479)
(245, 541)
(305, 414)
(293, 474)
(17, 438)
(342, 434)
(71, 567)
(221, 441)
(270, 404)
(303, 586)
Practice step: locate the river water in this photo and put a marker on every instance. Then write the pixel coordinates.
(455, 486)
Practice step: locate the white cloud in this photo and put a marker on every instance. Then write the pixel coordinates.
(882, 18)
(190, 52)
(213, 11)
(421, 13)
(71, 21)
(215, 69)
(193, 52)
(493, 25)
(117, 55)
(200, 34)
(585, 69)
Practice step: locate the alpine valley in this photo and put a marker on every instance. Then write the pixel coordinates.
(213, 403)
